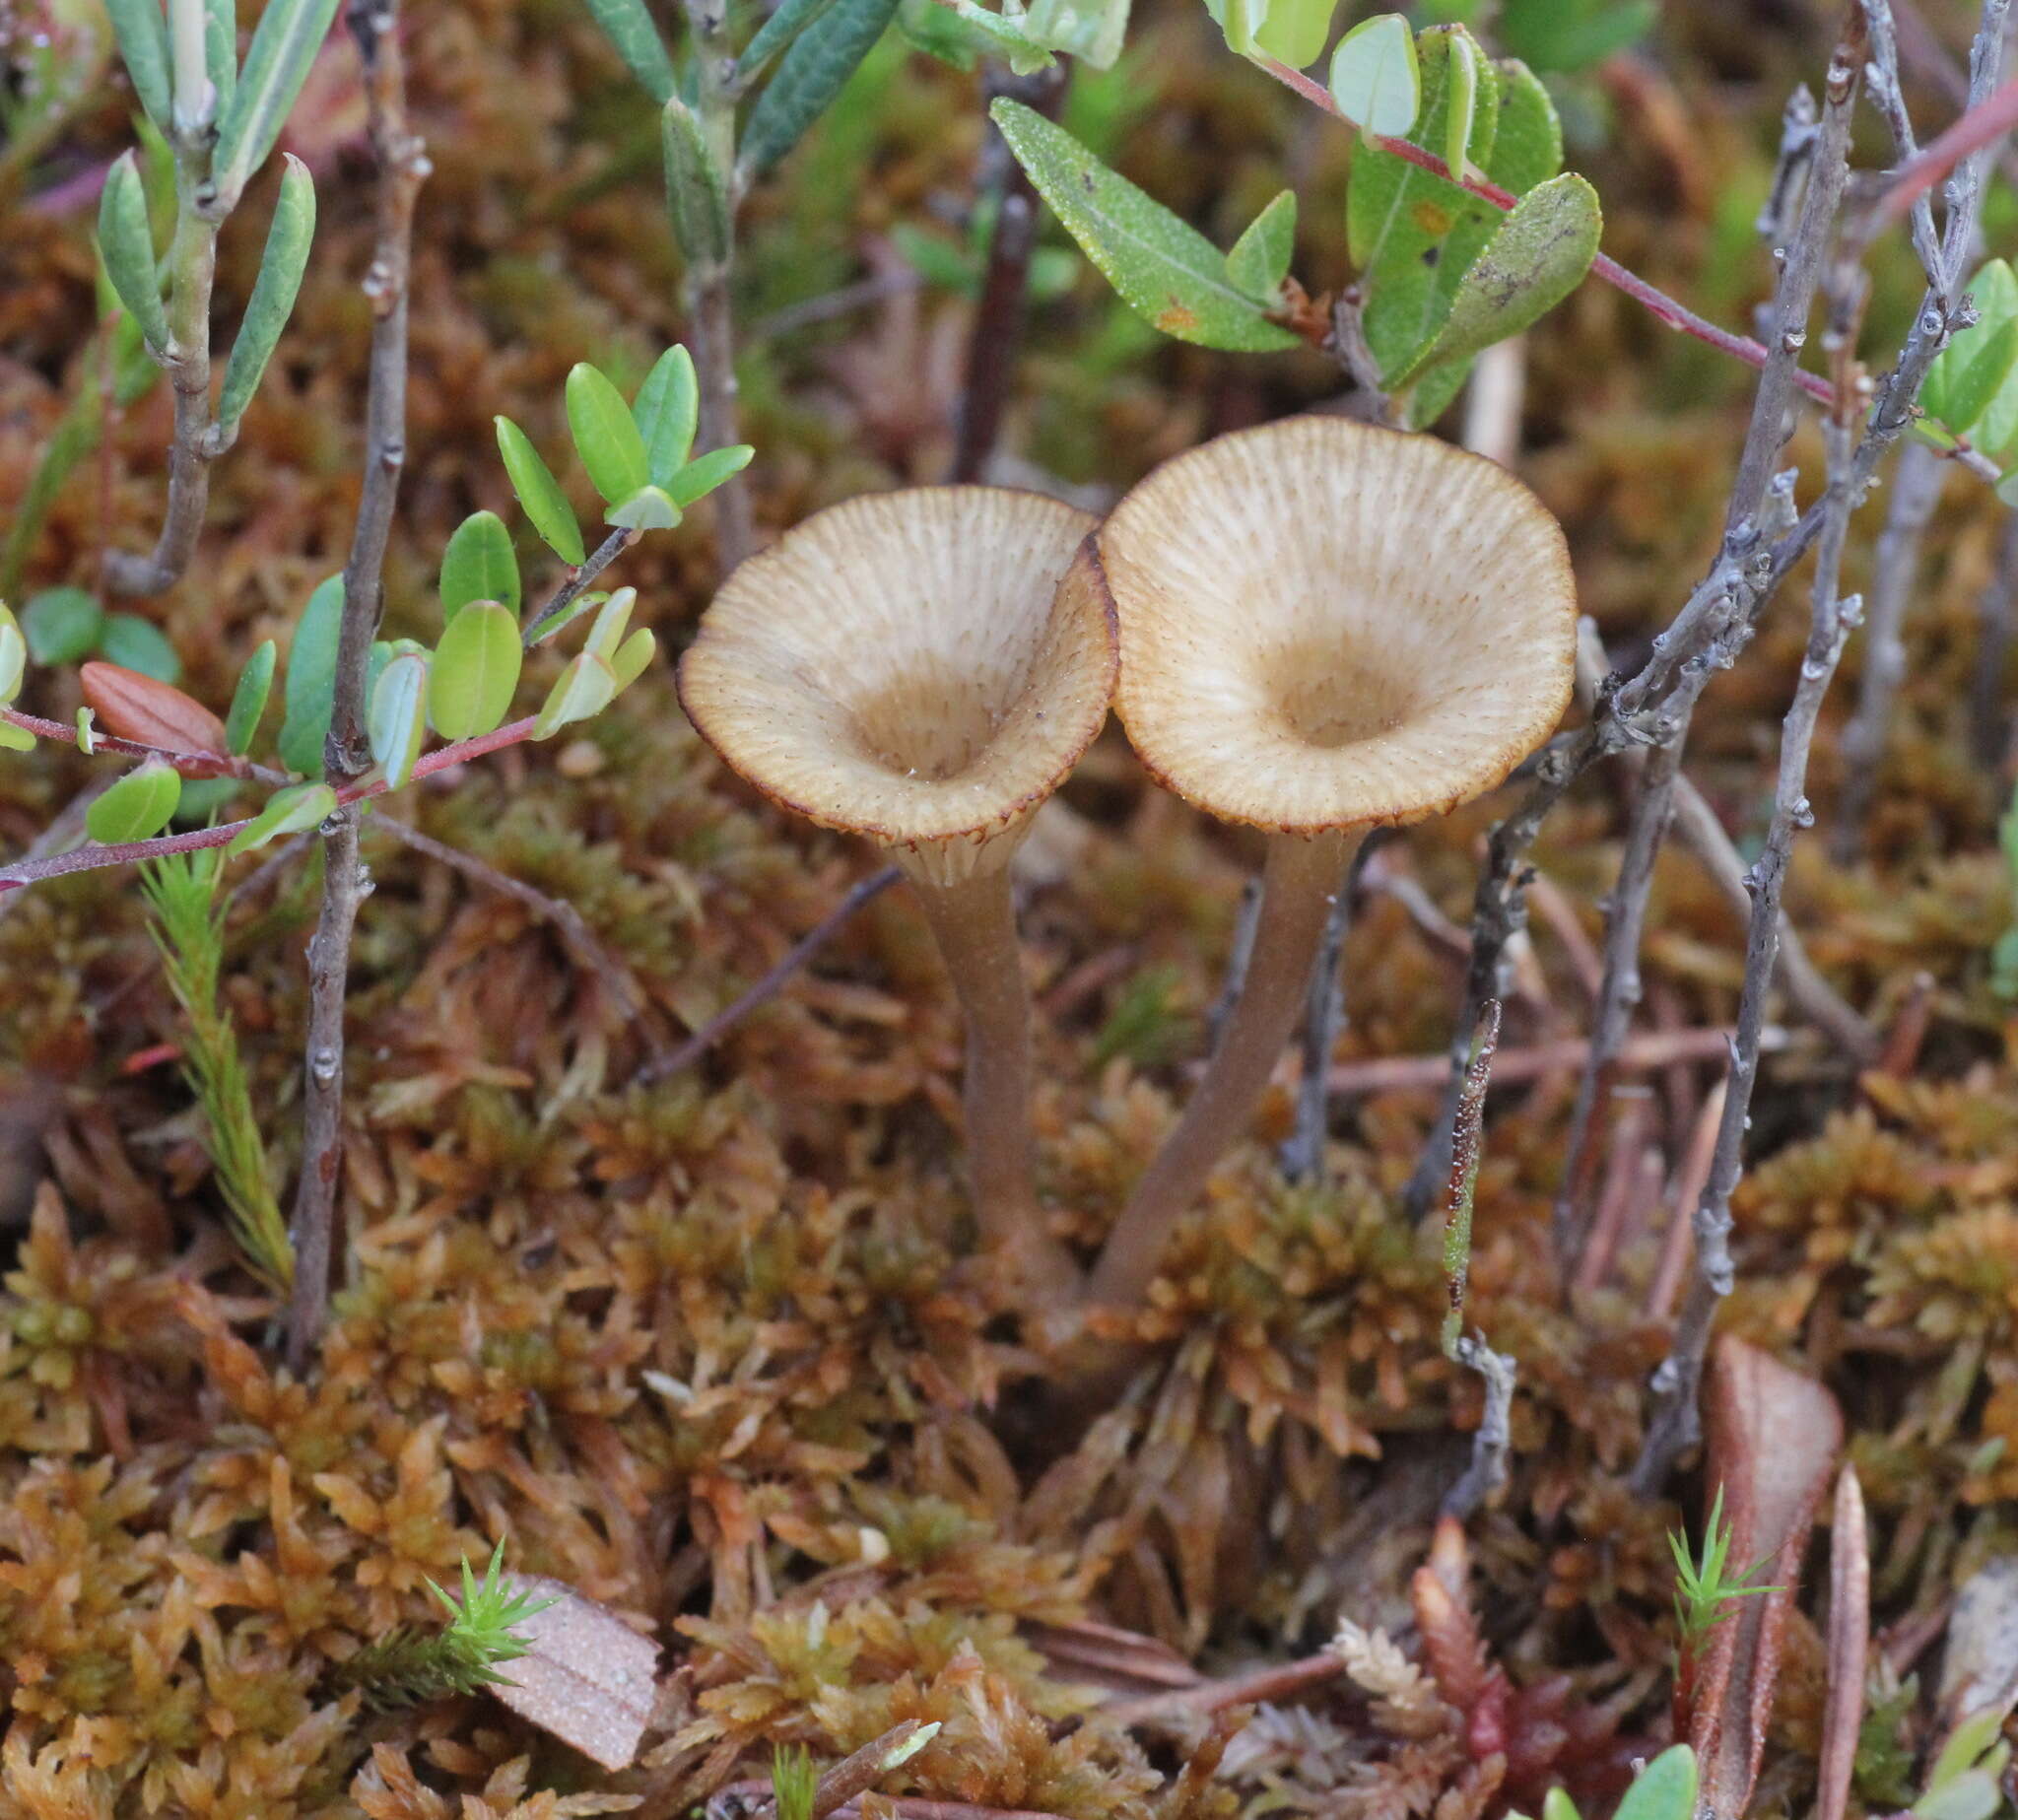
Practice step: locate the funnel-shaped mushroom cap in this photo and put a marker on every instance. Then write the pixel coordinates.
(907, 667)
(1325, 625)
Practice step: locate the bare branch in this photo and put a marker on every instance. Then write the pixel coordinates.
(1676, 1422)
(772, 982)
(997, 331)
(402, 168)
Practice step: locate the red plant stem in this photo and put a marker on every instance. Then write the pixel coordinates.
(131, 852)
(1990, 120)
(189, 764)
(1662, 307)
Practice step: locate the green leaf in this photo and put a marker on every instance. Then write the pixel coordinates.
(605, 433)
(479, 564)
(284, 46)
(697, 193)
(1947, 393)
(1665, 1789)
(611, 623)
(476, 671)
(1091, 30)
(13, 659)
(127, 244)
(1411, 235)
(1557, 1806)
(631, 657)
(700, 477)
(1970, 1795)
(1976, 388)
(274, 291)
(1164, 268)
(776, 33)
(1242, 22)
(143, 34)
(139, 645)
(1971, 1740)
(62, 625)
(16, 739)
(292, 811)
(814, 71)
(221, 48)
(989, 33)
(585, 688)
(248, 699)
(668, 409)
(628, 26)
(310, 696)
(539, 493)
(649, 508)
(1463, 80)
(137, 807)
(1538, 257)
(1527, 141)
(1374, 78)
(397, 720)
(1294, 30)
(1570, 35)
(1258, 261)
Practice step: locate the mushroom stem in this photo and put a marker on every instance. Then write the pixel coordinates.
(974, 921)
(1303, 875)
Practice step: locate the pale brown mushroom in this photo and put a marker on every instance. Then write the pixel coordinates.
(1326, 628)
(906, 667)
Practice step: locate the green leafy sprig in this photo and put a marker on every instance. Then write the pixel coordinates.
(407, 1668)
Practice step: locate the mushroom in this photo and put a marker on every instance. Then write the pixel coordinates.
(904, 666)
(1326, 628)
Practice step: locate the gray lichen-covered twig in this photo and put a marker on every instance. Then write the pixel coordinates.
(1676, 1422)
(402, 166)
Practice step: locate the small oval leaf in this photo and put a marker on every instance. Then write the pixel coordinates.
(649, 508)
(668, 410)
(141, 645)
(62, 625)
(284, 46)
(248, 699)
(1464, 84)
(632, 657)
(627, 25)
(702, 476)
(291, 811)
(585, 687)
(137, 807)
(611, 623)
(1258, 261)
(1373, 75)
(697, 193)
(130, 706)
(311, 692)
(814, 71)
(1665, 1789)
(479, 564)
(126, 244)
(274, 291)
(539, 493)
(397, 720)
(13, 659)
(476, 670)
(605, 435)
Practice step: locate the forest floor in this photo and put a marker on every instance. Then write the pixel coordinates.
(713, 1351)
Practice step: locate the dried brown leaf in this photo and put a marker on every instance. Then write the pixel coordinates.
(1773, 1436)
